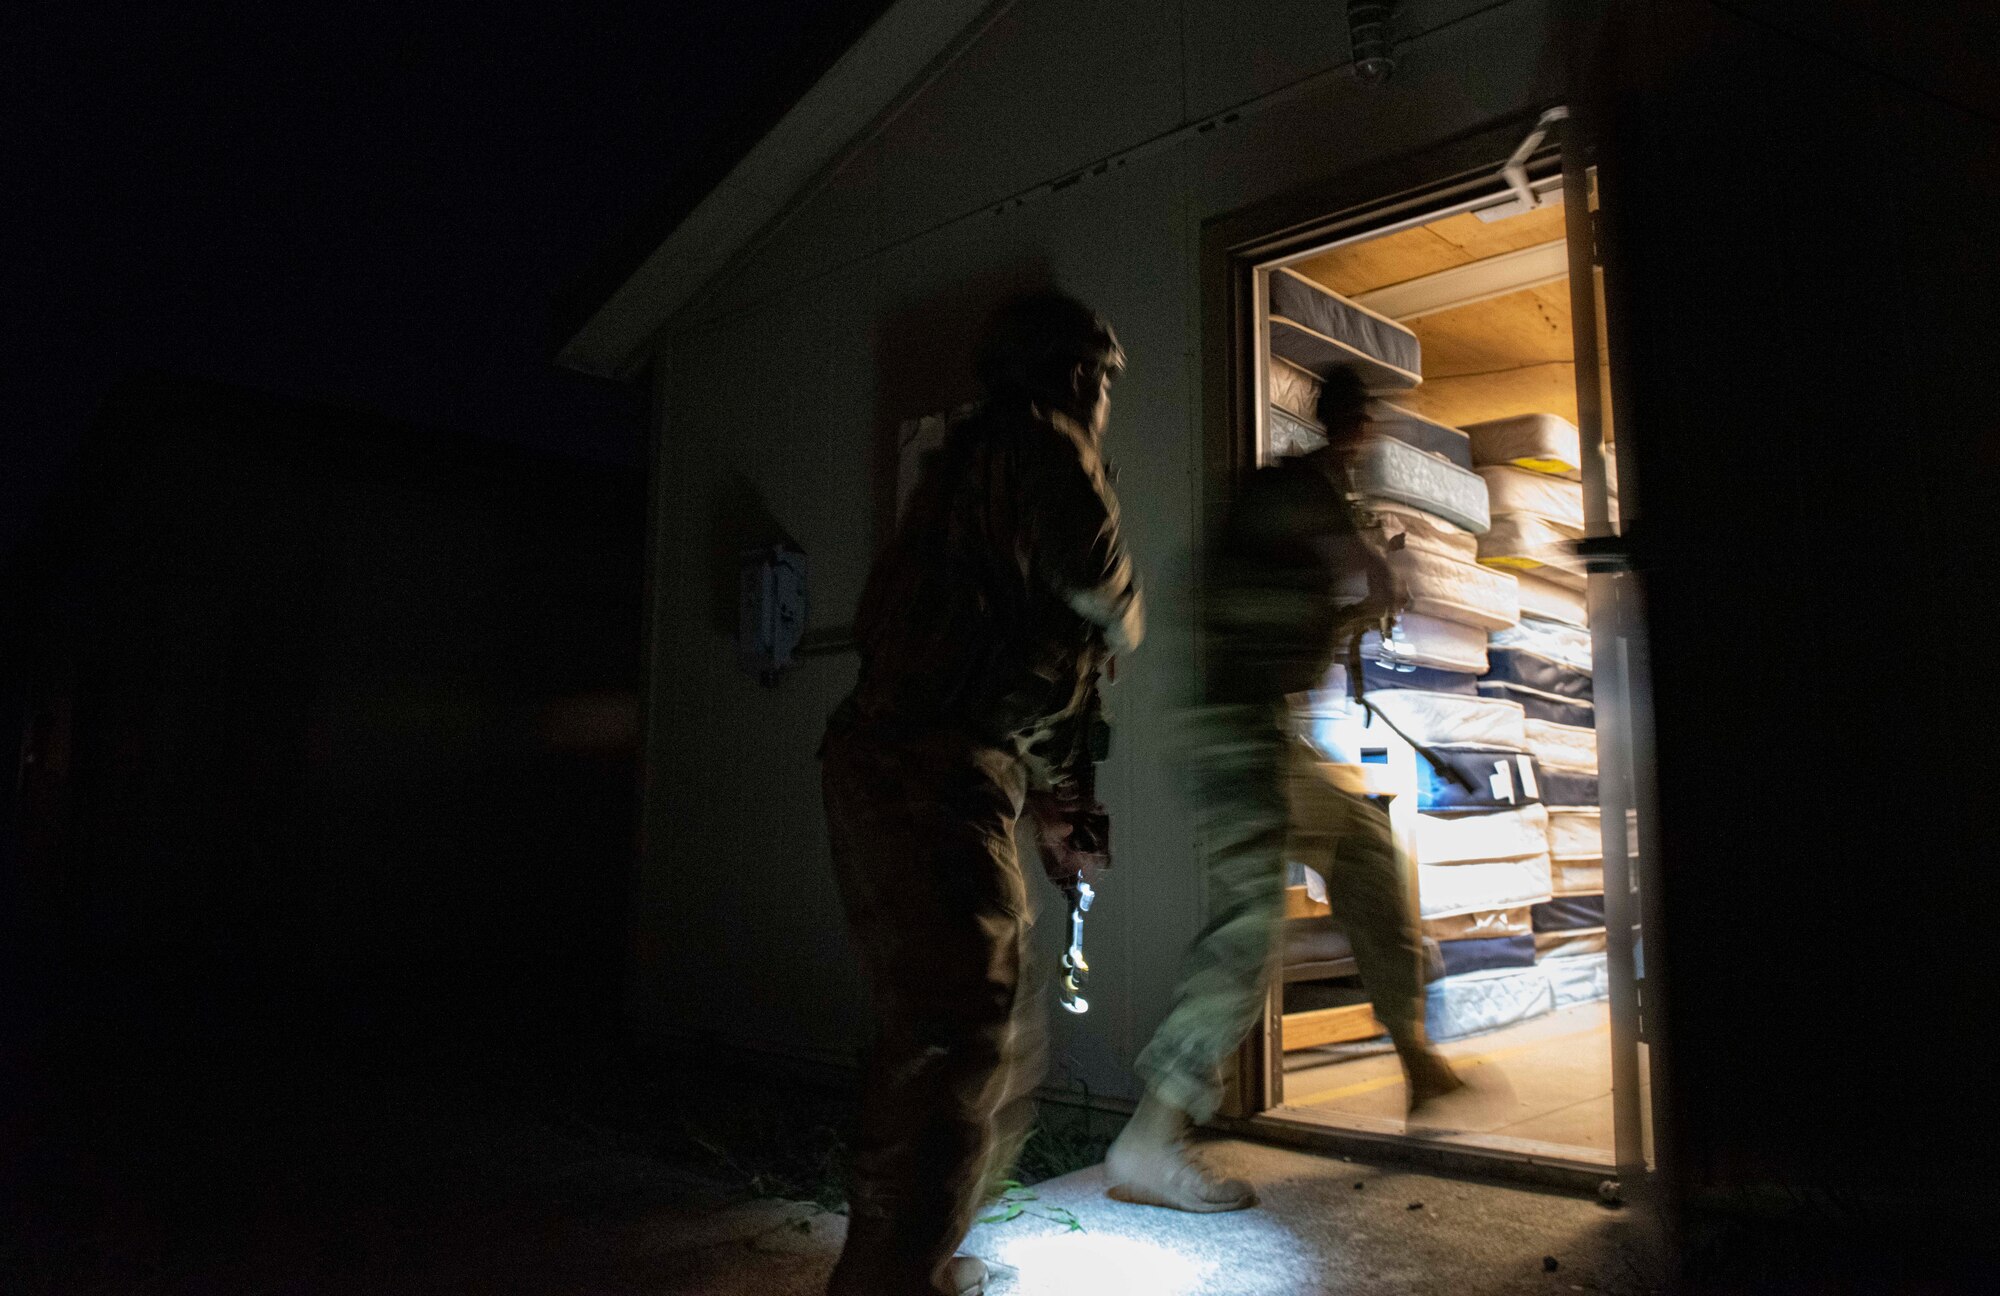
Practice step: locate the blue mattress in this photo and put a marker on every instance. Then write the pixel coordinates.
(1482, 1001)
(1536, 671)
(1538, 705)
(1462, 956)
(1319, 330)
(1569, 913)
(1501, 779)
(1582, 979)
(1567, 644)
(1562, 786)
(1379, 675)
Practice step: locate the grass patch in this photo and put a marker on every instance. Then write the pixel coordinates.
(763, 1138)
(1064, 1138)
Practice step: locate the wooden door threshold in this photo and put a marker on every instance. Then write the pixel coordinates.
(1476, 1156)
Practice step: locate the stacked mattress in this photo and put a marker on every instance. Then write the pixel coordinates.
(1481, 840)
(1532, 466)
(1530, 463)
(1546, 666)
(1316, 329)
(1489, 666)
(1538, 661)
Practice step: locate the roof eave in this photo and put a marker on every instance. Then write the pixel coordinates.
(898, 55)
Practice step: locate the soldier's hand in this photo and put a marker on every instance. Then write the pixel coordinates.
(1070, 836)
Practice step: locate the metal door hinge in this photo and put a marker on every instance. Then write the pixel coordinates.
(1611, 553)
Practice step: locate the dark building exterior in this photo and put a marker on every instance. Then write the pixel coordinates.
(327, 735)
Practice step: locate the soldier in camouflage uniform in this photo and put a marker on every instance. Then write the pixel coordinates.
(1273, 621)
(982, 632)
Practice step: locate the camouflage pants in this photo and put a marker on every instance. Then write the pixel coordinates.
(1260, 800)
(922, 827)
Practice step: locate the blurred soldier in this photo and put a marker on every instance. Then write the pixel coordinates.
(982, 632)
(1273, 622)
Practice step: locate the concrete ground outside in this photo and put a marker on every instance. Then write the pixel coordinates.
(481, 1176)
(1323, 1225)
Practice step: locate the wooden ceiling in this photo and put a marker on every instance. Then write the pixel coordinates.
(1488, 359)
(1426, 249)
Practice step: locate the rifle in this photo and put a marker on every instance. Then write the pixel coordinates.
(1357, 689)
(1075, 749)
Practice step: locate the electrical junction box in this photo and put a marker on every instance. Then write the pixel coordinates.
(771, 608)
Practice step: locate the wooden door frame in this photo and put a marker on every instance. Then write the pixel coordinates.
(1367, 200)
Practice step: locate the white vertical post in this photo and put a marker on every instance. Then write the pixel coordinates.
(1611, 623)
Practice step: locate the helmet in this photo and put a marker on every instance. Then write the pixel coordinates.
(1343, 399)
(1032, 344)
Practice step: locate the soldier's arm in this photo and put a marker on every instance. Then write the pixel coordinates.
(1078, 551)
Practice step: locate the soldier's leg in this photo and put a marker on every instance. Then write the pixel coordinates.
(1225, 977)
(923, 848)
(1347, 838)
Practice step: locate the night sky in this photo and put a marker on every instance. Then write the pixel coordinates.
(370, 204)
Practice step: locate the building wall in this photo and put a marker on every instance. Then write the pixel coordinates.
(343, 721)
(777, 389)
(1789, 362)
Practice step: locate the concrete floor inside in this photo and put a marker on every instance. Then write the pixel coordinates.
(1558, 1068)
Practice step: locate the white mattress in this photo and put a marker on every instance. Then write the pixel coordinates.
(1421, 530)
(1577, 831)
(1569, 944)
(1581, 979)
(1485, 924)
(1560, 744)
(1517, 490)
(1544, 598)
(1418, 640)
(1292, 435)
(1392, 470)
(1543, 443)
(1451, 590)
(1522, 542)
(1447, 889)
(1576, 876)
(1480, 837)
(1295, 391)
(1567, 644)
(1455, 1007)
(1438, 719)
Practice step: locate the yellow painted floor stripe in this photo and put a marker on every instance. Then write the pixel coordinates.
(1395, 1077)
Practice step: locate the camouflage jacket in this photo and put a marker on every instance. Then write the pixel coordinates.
(1005, 588)
(1291, 556)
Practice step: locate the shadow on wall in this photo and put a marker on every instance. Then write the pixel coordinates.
(923, 365)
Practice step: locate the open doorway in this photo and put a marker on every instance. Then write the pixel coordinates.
(1494, 462)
